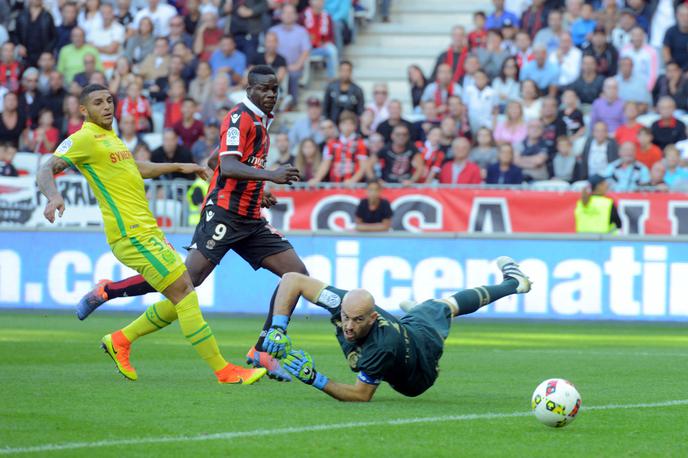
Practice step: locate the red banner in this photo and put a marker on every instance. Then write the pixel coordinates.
(474, 210)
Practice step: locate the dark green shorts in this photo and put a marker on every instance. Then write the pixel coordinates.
(435, 314)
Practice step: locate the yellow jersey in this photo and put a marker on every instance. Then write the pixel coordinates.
(110, 169)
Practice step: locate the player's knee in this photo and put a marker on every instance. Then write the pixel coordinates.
(292, 276)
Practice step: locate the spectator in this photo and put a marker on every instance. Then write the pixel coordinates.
(188, 128)
(455, 56)
(340, 11)
(605, 54)
(596, 213)
(247, 24)
(572, 115)
(29, 95)
(201, 86)
(125, 13)
(598, 152)
(380, 105)
(533, 157)
(492, 57)
(477, 38)
(400, 161)
(418, 84)
(667, 129)
(142, 43)
(552, 125)
(608, 15)
(329, 130)
(44, 138)
(374, 214)
(156, 65)
(675, 176)
(192, 17)
(208, 35)
(127, 132)
(672, 84)
(72, 119)
(513, 128)
(284, 156)
(647, 152)
(321, 31)
(676, 39)
(583, 27)
(208, 142)
(63, 32)
(308, 126)
(530, 100)
(534, 18)
(568, 58)
(90, 19)
(142, 152)
(109, 38)
(343, 94)
(226, 58)
(550, 35)
(506, 86)
(46, 65)
(189, 61)
(448, 129)
(657, 174)
(394, 119)
(608, 108)
(295, 45)
(71, 58)
(136, 106)
(173, 104)
(540, 70)
(621, 34)
(588, 85)
(564, 164)
(160, 89)
(121, 78)
(54, 99)
(34, 32)
(470, 67)
(271, 57)
(375, 146)
(441, 89)
(308, 159)
(484, 152)
(628, 132)
(430, 119)
(481, 102)
(504, 171)
(82, 78)
(7, 153)
(178, 33)
(509, 32)
(10, 68)
(499, 16)
(365, 123)
(159, 14)
(432, 155)
(457, 111)
(663, 18)
(625, 173)
(344, 159)
(524, 52)
(631, 87)
(460, 170)
(172, 151)
(644, 56)
(12, 122)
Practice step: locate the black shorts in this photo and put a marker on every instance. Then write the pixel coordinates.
(218, 231)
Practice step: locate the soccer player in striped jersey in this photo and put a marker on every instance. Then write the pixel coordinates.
(132, 233)
(231, 218)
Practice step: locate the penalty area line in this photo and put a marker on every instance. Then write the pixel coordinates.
(229, 435)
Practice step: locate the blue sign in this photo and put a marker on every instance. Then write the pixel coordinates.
(581, 279)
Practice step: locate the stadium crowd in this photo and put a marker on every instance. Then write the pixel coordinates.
(536, 90)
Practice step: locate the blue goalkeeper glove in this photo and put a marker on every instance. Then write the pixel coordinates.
(300, 365)
(277, 343)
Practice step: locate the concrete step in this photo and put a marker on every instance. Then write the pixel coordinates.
(418, 29)
(418, 51)
(394, 65)
(434, 20)
(389, 41)
(441, 7)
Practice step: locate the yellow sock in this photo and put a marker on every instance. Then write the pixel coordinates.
(156, 317)
(198, 333)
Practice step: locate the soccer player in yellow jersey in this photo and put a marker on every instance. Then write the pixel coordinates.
(132, 233)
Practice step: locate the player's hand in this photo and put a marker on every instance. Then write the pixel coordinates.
(277, 343)
(54, 204)
(268, 200)
(285, 174)
(300, 365)
(201, 172)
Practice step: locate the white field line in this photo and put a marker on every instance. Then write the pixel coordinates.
(593, 352)
(306, 429)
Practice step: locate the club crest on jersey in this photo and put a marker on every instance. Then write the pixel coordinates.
(64, 146)
(233, 136)
(210, 244)
(235, 118)
(209, 215)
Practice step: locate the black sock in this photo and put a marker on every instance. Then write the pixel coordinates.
(132, 286)
(268, 322)
(470, 300)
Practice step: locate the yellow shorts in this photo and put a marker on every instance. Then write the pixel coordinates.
(149, 254)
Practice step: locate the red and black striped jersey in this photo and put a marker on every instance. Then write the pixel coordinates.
(345, 154)
(244, 134)
(432, 158)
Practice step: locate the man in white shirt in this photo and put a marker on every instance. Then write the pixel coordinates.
(645, 58)
(160, 14)
(568, 58)
(108, 39)
(380, 104)
(480, 100)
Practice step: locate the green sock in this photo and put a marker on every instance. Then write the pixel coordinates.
(156, 317)
(198, 332)
(470, 300)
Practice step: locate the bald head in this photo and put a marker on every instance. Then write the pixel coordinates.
(358, 302)
(358, 314)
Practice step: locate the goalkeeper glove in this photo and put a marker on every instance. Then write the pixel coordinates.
(300, 365)
(277, 343)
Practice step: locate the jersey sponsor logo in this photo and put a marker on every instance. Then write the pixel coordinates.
(235, 118)
(329, 299)
(209, 215)
(233, 136)
(256, 161)
(120, 156)
(64, 146)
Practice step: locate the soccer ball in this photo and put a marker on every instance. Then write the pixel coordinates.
(556, 402)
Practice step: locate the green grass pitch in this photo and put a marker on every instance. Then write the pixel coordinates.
(59, 389)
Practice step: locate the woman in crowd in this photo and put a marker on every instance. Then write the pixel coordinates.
(504, 171)
(72, 119)
(141, 44)
(506, 84)
(202, 84)
(484, 151)
(12, 122)
(530, 100)
(121, 78)
(308, 159)
(418, 83)
(513, 128)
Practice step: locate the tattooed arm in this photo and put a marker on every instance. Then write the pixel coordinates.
(45, 180)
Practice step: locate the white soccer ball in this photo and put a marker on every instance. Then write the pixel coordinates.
(556, 402)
